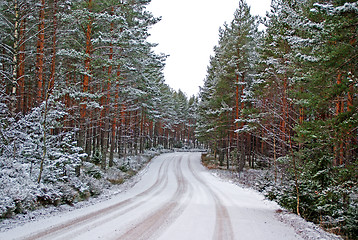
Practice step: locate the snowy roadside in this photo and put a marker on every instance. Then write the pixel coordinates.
(307, 230)
(247, 180)
(44, 212)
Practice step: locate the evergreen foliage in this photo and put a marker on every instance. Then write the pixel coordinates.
(297, 111)
(82, 88)
(81, 91)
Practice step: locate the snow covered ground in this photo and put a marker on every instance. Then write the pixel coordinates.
(175, 197)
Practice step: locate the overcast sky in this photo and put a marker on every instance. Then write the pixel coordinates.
(188, 33)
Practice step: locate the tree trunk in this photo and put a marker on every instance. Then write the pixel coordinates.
(274, 158)
(114, 122)
(53, 60)
(142, 134)
(283, 125)
(296, 179)
(339, 151)
(15, 60)
(21, 70)
(86, 77)
(40, 53)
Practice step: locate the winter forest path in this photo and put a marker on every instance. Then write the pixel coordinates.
(177, 198)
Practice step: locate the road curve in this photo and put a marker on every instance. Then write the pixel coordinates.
(177, 198)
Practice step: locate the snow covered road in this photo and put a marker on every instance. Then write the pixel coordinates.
(177, 198)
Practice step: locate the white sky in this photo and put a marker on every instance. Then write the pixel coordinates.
(188, 33)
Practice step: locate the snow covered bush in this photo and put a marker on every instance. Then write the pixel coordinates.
(92, 170)
(328, 197)
(64, 158)
(5, 121)
(33, 139)
(17, 192)
(45, 144)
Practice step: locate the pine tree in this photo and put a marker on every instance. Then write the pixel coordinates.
(229, 77)
(79, 80)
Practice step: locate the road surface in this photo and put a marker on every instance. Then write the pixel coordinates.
(177, 198)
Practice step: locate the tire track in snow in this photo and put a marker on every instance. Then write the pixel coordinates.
(156, 222)
(75, 223)
(119, 212)
(223, 226)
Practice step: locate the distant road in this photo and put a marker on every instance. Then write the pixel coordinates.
(176, 199)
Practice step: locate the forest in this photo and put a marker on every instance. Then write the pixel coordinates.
(82, 88)
(285, 99)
